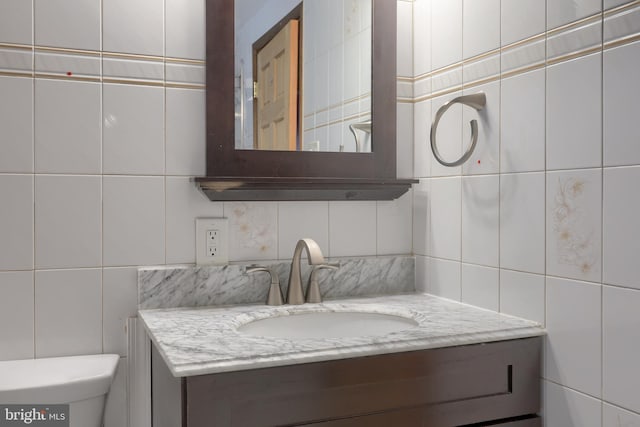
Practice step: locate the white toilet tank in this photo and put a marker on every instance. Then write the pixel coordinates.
(83, 382)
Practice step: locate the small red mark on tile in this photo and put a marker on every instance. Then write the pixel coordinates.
(69, 73)
(478, 161)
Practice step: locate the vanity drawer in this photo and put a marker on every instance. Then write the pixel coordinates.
(444, 387)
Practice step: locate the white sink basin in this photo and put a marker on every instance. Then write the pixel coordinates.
(314, 325)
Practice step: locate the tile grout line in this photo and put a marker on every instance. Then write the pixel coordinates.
(602, 124)
(33, 170)
(546, 72)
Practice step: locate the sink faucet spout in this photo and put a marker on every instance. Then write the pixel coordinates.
(295, 294)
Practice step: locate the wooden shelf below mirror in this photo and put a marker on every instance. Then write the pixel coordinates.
(301, 189)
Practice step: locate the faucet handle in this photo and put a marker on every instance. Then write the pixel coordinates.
(275, 294)
(313, 290)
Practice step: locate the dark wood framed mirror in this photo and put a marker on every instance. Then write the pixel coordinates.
(234, 174)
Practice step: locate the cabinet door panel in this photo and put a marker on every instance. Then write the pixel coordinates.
(450, 387)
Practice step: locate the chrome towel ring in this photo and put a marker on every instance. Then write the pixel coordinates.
(477, 101)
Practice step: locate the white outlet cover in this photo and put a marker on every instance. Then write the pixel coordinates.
(203, 226)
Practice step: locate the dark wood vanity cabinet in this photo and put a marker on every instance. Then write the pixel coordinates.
(492, 384)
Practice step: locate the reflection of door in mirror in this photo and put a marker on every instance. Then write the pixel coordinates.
(334, 71)
(276, 97)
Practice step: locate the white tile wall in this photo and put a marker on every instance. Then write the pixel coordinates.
(446, 32)
(521, 19)
(68, 312)
(621, 346)
(404, 138)
(621, 231)
(405, 39)
(127, 33)
(522, 294)
(184, 203)
(68, 23)
(480, 286)
(481, 26)
(421, 217)
(574, 116)
(352, 228)
(613, 416)
(16, 21)
(568, 408)
(301, 220)
(444, 228)
(522, 223)
(394, 232)
(480, 220)
(133, 130)
(185, 132)
(421, 37)
(16, 315)
(522, 143)
(573, 344)
(621, 92)
(181, 15)
(421, 134)
(568, 168)
(16, 124)
(134, 221)
(16, 227)
(67, 127)
(560, 12)
(119, 302)
(445, 278)
(422, 273)
(68, 223)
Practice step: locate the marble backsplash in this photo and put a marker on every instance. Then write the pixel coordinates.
(193, 286)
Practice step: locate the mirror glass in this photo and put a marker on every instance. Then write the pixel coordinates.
(303, 75)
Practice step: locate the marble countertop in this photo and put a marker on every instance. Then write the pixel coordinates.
(205, 340)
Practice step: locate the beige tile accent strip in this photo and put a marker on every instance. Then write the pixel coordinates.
(621, 8)
(15, 46)
(132, 56)
(185, 61)
(64, 77)
(184, 86)
(134, 82)
(522, 70)
(481, 82)
(622, 41)
(16, 74)
(66, 50)
(523, 42)
(574, 55)
(575, 24)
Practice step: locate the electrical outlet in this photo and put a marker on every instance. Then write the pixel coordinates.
(212, 246)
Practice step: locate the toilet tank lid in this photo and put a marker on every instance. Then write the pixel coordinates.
(56, 379)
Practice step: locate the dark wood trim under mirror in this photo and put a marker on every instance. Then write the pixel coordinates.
(267, 175)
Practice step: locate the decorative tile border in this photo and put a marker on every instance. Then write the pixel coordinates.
(18, 60)
(616, 27)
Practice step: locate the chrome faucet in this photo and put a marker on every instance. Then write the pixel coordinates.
(295, 295)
